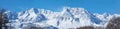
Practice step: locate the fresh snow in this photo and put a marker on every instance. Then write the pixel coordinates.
(68, 18)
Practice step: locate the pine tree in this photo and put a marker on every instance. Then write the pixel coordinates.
(3, 18)
(114, 23)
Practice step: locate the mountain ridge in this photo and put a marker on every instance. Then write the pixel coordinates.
(68, 18)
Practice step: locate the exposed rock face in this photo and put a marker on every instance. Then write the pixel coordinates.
(114, 23)
(99, 27)
(33, 28)
(86, 27)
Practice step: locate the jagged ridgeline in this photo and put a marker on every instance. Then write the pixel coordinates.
(3, 19)
(69, 18)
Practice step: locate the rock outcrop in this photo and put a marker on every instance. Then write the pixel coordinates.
(86, 27)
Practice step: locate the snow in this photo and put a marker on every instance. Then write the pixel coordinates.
(68, 18)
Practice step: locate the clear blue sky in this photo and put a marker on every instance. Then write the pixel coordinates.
(94, 6)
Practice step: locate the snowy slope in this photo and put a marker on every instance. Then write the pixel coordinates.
(68, 18)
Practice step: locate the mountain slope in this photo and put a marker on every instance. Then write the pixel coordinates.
(68, 18)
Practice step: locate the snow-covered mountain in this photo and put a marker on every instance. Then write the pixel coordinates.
(68, 18)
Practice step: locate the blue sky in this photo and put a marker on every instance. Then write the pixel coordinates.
(93, 6)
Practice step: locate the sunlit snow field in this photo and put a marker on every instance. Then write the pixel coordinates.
(59, 14)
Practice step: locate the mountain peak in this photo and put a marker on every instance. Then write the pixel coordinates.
(68, 18)
(35, 10)
(74, 9)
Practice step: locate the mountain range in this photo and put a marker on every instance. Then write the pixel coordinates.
(47, 19)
